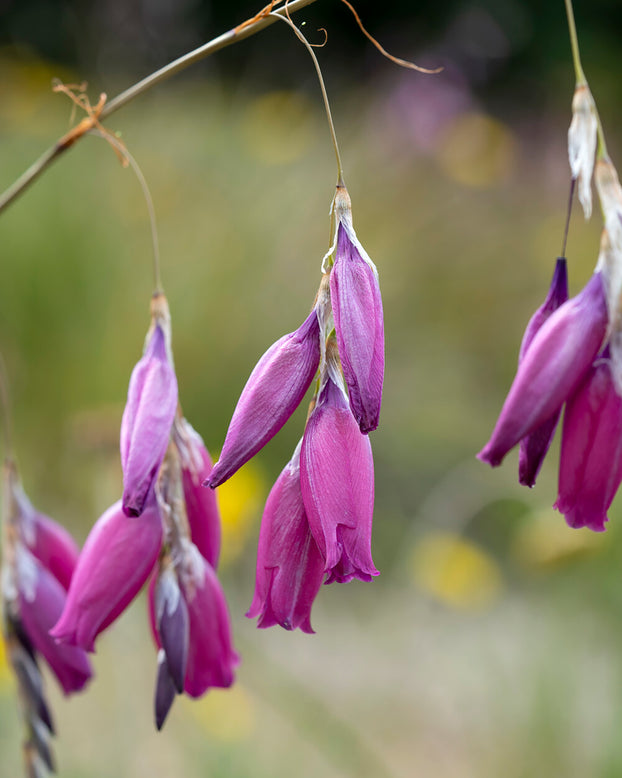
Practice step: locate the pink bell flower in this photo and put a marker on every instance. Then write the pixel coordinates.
(290, 567)
(41, 599)
(358, 315)
(553, 366)
(590, 468)
(115, 562)
(337, 483)
(272, 393)
(148, 414)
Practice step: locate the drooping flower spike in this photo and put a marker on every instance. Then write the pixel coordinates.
(149, 412)
(38, 556)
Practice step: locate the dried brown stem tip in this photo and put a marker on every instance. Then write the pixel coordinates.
(402, 62)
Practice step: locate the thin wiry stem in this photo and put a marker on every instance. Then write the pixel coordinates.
(329, 115)
(573, 182)
(148, 199)
(239, 33)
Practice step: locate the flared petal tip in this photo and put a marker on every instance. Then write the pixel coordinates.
(131, 508)
(489, 456)
(217, 477)
(578, 518)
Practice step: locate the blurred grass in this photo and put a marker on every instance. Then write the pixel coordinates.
(399, 677)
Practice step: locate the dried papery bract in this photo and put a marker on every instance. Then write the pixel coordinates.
(582, 137)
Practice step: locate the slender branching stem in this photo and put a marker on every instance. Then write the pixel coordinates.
(329, 116)
(157, 279)
(573, 183)
(5, 402)
(239, 33)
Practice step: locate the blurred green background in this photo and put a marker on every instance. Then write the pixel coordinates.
(490, 644)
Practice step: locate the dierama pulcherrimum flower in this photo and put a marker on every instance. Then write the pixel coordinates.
(554, 365)
(272, 393)
(590, 467)
(290, 567)
(115, 563)
(337, 481)
(359, 324)
(533, 447)
(149, 412)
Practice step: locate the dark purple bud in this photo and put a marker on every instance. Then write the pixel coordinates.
(164, 691)
(274, 390)
(552, 368)
(173, 625)
(290, 567)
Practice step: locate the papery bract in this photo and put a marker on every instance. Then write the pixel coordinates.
(582, 143)
(554, 365)
(337, 483)
(147, 421)
(201, 503)
(359, 326)
(115, 562)
(211, 658)
(272, 393)
(533, 447)
(41, 599)
(290, 567)
(590, 467)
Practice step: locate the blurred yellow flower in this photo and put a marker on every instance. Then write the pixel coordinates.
(456, 571)
(225, 714)
(5, 670)
(241, 500)
(544, 540)
(477, 150)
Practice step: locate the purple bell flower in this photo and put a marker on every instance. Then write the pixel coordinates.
(590, 468)
(41, 599)
(359, 323)
(290, 567)
(337, 483)
(201, 503)
(115, 562)
(553, 366)
(272, 393)
(149, 412)
(533, 447)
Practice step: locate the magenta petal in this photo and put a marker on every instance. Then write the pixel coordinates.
(147, 421)
(272, 393)
(359, 326)
(590, 467)
(290, 567)
(201, 503)
(41, 600)
(554, 365)
(337, 482)
(556, 297)
(115, 562)
(211, 658)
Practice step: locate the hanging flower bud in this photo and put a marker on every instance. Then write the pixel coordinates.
(47, 540)
(115, 562)
(274, 390)
(290, 567)
(582, 143)
(172, 624)
(165, 691)
(359, 324)
(553, 366)
(533, 447)
(590, 467)
(149, 412)
(211, 658)
(39, 601)
(201, 503)
(337, 482)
